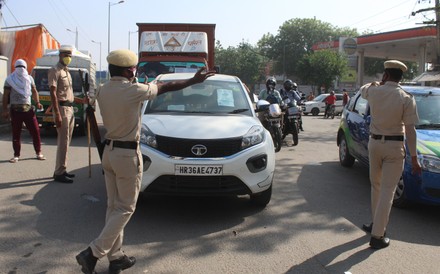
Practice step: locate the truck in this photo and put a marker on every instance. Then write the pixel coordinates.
(174, 47)
(81, 69)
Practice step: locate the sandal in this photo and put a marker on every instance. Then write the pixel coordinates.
(13, 160)
(41, 157)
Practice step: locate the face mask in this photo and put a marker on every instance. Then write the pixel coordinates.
(67, 60)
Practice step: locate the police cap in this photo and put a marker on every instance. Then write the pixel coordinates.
(394, 64)
(122, 58)
(66, 49)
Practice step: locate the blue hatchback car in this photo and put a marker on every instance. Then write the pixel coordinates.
(353, 135)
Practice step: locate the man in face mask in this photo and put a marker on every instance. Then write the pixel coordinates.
(61, 93)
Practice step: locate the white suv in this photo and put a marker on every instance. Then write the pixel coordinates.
(206, 140)
(317, 105)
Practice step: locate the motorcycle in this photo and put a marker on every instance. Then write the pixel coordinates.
(271, 120)
(329, 112)
(292, 120)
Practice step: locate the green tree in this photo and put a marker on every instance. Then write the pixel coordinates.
(295, 39)
(243, 61)
(374, 66)
(321, 68)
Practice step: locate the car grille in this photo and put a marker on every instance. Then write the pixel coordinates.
(198, 185)
(182, 147)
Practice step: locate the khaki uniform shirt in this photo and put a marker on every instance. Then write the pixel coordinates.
(120, 102)
(59, 77)
(391, 108)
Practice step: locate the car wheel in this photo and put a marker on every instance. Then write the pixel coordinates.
(399, 199)
(345, 158)
(262, 198)
(315, 111)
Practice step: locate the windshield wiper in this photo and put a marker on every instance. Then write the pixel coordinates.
(239, 110)
(432, 125)
(194, 111)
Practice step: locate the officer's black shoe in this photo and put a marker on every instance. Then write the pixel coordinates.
(62, 179)
(367, 227)
(69, 175)
(87, 261)
(378, 243)
(116, 266)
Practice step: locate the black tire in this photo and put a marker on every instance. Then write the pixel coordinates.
(345, 158)
(82, 128)
(263, 198)
(315, 111)
(295, 131)
(333, 115)
(399, 199)
(277, 138)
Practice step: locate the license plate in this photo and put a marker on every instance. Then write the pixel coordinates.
(48, 119)
(44, 98)
(198, 170)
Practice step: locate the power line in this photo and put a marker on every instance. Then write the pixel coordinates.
(16, 20)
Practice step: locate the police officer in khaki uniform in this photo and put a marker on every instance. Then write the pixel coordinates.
(62, 98)
(120, 101)
(393, 116)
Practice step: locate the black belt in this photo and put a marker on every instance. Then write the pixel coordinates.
(387, 138)
(122, 144)
(65, 103)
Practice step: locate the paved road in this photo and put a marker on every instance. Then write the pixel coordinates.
(310, 226)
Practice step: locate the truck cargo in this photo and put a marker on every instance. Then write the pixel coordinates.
(171, 48)
(82, 63)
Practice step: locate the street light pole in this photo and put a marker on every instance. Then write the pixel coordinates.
(76, 36)
(129, 37)
(100, 69)
(108, 32)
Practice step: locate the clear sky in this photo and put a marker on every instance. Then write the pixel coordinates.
(236, 20)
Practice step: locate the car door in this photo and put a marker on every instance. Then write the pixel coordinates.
(357, 121)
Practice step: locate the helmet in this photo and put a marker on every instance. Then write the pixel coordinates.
(294, 86)
(271, 83)
(288, 84)
(332, 92)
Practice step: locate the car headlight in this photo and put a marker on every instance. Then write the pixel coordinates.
(148, 137)
(430, 163)
(254, 136)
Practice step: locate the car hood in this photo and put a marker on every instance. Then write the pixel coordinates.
(428, 142)
(199, 127)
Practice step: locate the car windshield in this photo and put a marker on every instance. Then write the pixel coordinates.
(428, 109)
(211, 96)
(321, 97)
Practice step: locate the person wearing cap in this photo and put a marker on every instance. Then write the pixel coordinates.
(120, 102)
(61, 93)
(18, 89)
(393, 116)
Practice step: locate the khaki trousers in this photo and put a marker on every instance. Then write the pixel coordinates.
(386, 166)
(64, 137)
(123, 175)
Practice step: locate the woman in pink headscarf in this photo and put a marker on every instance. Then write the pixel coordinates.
(18, 89)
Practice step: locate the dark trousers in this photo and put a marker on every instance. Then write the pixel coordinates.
(30, 120)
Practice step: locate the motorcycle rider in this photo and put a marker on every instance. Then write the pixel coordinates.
(290, 89)
(329, 102)
(271, 92)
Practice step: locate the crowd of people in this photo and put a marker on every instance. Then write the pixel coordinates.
(121, 159)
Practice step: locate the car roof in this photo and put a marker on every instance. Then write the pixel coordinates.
(182, 76)
(422, 90)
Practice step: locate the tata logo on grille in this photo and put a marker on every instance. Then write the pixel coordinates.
(199, 150)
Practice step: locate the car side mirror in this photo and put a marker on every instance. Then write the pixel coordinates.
(367, 119)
